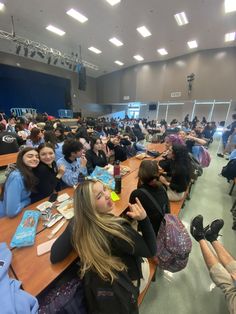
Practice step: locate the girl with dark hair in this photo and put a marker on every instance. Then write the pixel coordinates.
(35, 138)
(19, 183)
(148, 180)
(179, 169)
(47, 173)
(95, 156)
(107, 246)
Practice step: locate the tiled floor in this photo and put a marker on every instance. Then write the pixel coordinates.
(191, 291)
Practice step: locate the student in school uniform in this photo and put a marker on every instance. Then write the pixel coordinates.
(95, 156)
(19, 184)
(107, 246)
(149, 184)
(179, 171)
(74, 162)
(47, 173)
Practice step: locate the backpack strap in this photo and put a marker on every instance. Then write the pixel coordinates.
(149, 195)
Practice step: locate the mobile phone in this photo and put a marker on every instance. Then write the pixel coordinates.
(53, 197)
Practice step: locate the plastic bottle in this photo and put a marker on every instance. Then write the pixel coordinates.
(116, 168)
(118, 184)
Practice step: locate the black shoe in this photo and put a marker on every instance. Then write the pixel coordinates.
(212, 232)
(220, 155)
(196, 228)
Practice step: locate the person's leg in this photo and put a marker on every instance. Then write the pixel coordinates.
(209, 257)
(224, 256)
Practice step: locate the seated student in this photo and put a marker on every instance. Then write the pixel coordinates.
(220, 263)
(10, 127)
(9, 141)
(50, 137)
(119, 146)
(47, 173)
(95, 156)
(194, 139)
(170, 140)
(179, 170)
(35, 138)
(148, 176)
(106, 245)
(19, 183)
(74, 162)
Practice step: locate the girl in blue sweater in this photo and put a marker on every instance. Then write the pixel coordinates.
(20, 182)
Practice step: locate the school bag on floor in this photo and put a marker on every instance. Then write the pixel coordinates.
(229, 171)
(173, 241)
(67, 298)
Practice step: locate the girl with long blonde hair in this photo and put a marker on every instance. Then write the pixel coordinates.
(106, 245)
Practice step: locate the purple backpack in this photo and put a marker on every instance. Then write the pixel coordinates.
(173, 244)
(202, 155)
(173, 241)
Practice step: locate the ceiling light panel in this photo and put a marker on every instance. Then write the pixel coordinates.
(119, 62)
(192, 44)
(55, 30)
(230, 37)
(76, 15)
(181, 18)
(144, 31)
(162, 51)
(95, 50)
(2, 6)
(116, 42)
(113, 2)
(230, 6)
(138, 58)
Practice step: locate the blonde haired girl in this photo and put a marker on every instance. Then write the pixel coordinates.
(106, 244)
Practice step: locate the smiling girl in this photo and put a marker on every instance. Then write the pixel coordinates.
(47, 173)
(19, 183)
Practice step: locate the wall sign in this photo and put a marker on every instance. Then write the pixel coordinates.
(175, 94)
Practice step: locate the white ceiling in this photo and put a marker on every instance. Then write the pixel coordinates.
(207, 24)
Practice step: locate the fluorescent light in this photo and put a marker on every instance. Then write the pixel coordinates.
(55, 30)
(192, 44)
(138, 58)
(95, 50)
(144, 31)
(113, 2)
(230, 6)
(162, 51)
(230, 37)
(76, 15)
(181, 18)
(2, 5)
(116, 42)
(119, 62)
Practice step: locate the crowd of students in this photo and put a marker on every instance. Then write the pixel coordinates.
(107, 246)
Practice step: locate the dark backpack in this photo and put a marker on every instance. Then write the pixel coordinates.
(229, 171)
(67, 298)
(196, 169)
(173, 241)
(104, 297)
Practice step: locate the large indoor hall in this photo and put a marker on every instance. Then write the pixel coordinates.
(117, 157)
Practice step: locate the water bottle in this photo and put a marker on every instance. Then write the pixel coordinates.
(118, 184)
(116, 168)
